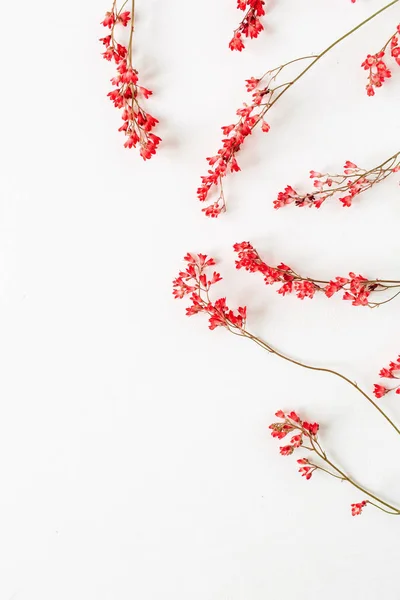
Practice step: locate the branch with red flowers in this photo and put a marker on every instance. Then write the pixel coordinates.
(250, 26)
(195, 282)
(128, 94)
(375, 64)
(355, 288)
(266, 91)
(345, 186)
(305, 436)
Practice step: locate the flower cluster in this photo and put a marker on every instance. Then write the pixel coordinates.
(345, 186)
(127, 94)
(224, 161)
(305, 435)
(376, 66)
(292, 424)
(195, 282)
(266, 92)
(355, 288)
(390, 372)
(250, 26)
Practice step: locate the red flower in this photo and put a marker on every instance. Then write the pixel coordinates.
(380, 391)
(236, 42)
(251, 85)
(109, 20)
(296, 441)
(286, 450)
(312, 428)
(346, 201)
(124, 18)
(306, 472)
(356, 509)
(294, 417)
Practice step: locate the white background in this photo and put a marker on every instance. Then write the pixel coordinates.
(135, 456)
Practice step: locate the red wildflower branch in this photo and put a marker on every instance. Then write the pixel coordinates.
(128, 94)
(196, 283)
(250, 26)
(376, 66)
(266, 91)
(305, 436)
(390, 372)
(345, 186)
(355, 288)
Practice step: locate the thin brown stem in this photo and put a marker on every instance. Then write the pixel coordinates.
(131, 31)
(272, 350)
(347, 478)
(323, 53)
(242, 332)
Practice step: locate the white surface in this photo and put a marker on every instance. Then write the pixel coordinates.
(135, 457)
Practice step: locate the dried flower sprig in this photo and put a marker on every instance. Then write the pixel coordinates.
(390, 372)
(251, 25)
(305, 436)
(266, 91)
(375, 64)
(196, 282)
(355, 288)
(344, 186)
(128, 94)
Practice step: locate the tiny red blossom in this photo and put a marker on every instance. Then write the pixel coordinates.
(312, 428)
(380, 391)
(286, 450)
(124, 18)
(356, 509)
(109, 20)
(306, 472)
